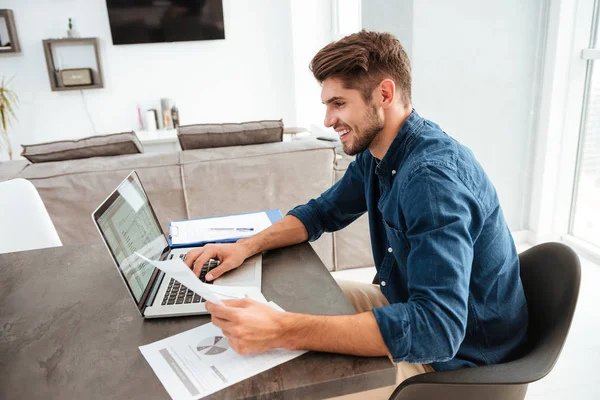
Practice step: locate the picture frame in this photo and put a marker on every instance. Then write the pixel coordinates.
(9, 40)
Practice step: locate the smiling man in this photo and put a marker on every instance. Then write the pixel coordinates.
(449, 295)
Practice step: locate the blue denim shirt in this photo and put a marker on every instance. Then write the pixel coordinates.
(445, 257)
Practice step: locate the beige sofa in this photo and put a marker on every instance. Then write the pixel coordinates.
(200, 183)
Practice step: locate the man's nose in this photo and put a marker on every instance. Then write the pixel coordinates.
(329, 120)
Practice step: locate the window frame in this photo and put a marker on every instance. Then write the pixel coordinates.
(590, 55)
(560, 113)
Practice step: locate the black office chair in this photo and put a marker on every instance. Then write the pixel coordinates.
(551, 275)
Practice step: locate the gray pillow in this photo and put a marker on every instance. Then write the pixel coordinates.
(202, 136)
(93, 146)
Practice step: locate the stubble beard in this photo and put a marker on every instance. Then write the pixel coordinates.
(364, 138)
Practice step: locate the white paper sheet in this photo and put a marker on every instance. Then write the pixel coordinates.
(213, 293)
(199, 362)
(199, 230)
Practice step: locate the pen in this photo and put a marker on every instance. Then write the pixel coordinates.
(230, 229)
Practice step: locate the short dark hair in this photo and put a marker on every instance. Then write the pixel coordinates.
(362, 60)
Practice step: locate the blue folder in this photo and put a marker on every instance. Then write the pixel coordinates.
(274, 216)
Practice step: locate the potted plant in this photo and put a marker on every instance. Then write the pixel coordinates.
(8, 102)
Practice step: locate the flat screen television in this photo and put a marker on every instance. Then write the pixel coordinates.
(154, 21)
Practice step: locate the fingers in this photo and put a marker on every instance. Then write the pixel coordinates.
(229, 256)
(224, 324)
(229, 307)
(240, 303)
(209, 306)
(207, 254)
(220, 270)
(191, 256)
(222, 312)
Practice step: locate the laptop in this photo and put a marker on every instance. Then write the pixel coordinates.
(127, 224)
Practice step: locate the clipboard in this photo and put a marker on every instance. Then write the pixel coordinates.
(273, 215)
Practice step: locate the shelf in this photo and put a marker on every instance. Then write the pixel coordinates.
(72, 40)
(80, 87)
(157, 136)
(158, 141)
(50, 46)
(11, 30)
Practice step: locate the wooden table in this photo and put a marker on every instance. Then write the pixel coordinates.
(69, 329)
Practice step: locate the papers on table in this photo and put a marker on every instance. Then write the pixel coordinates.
(219, 228)
(199, 362)
(213, 293)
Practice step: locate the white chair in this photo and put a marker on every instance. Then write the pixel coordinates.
(24, 220)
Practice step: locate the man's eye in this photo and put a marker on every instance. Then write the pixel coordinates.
(339, 104)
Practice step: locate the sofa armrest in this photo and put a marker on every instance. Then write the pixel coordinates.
(11, 169)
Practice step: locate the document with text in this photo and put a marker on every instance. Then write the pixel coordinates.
(199, 362)
(218, 228)
(177, 269)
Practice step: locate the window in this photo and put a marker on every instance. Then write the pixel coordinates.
(585, 209)
(346, 17)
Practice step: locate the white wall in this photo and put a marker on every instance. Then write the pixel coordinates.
(247, 76)
(395, 17)
(476, 72)
(311, 31)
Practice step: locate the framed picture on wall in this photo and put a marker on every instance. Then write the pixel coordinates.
(9, 41)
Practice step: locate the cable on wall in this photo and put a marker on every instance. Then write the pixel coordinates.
(88, 113)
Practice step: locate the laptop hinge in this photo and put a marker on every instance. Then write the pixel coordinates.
(152, 294)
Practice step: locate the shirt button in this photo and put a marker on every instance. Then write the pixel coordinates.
(389, 249)
(382, 283)
(393, 172)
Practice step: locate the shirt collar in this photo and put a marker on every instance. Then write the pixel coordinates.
(395, 153)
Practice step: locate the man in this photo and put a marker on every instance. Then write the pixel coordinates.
(449, 295)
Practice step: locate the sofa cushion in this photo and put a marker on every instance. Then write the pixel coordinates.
(202, 136)
(71, 190)
(93, 146)
(232, 180)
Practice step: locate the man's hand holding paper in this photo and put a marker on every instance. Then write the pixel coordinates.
(251, 327)
(199, 362)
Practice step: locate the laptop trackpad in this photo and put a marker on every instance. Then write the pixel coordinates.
(244, 275)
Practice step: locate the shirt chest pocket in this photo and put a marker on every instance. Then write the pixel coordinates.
(398, 242)
(397, 249)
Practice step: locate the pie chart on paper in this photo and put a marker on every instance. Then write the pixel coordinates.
(213, 345)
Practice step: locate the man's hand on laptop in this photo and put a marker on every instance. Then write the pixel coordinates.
(231, 255)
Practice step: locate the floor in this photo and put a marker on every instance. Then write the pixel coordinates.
(574, 375)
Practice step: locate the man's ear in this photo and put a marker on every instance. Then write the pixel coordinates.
(387, 93)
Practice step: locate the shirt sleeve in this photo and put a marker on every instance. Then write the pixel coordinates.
(442, 219)
(337, 207)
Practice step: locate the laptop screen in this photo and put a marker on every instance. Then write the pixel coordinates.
(129, 225)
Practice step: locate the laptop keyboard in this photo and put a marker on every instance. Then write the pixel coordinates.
(177, 293)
